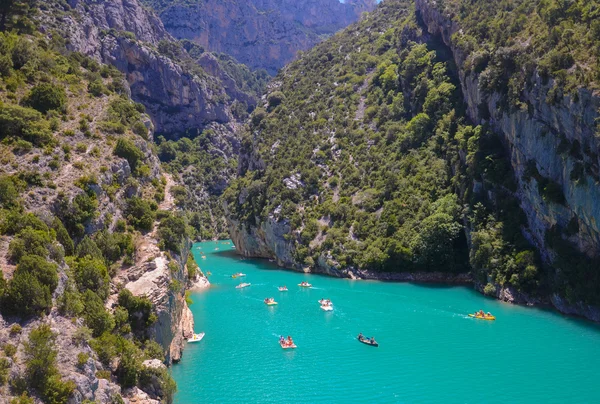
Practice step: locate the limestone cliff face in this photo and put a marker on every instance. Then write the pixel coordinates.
(179, 98)
(539, 136)
(261, 33)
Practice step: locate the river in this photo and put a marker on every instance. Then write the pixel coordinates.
(430, 350)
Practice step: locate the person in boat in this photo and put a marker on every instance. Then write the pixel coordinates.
(281, 339)
(372, 340)
(489, 314)
(481, 313)
(290, 341)
(360, 336)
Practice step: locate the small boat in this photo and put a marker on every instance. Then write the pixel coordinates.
(196, 337)
(283, 288)
(204, 257)
(324, 301)
(305, 285)
(238, 275)
(484, 317)
(242, 285)
(285, 345)
(327, 307)
(270, 302)
(367, 341)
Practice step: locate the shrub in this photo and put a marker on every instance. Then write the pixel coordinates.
(97, 88)
(489, 290)
(40, 356)
(9, 350)
(43, 270)
(126, 149)
(57, 391)
(9, 192)
(46, 96)
(171, 231)
(96, 317)
(29, 241)
(15, 329)
(23, 399)
(139, 309)
(88, 248)
(140, 214)
(92, 275)
(82, 359)
(275, 99)
(25, 123)
(62, 236)
(26, 295)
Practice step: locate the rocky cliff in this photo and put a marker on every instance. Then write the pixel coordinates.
(532, 164)
(179, 95)
(554, 135)
(261, 34)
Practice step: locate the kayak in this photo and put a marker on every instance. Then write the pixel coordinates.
(239, 275)
(196, 337)
(482, 317)
(308, 285)
(367, 341)
(286, 346)
(271, 303)
(283, 289)
(326, 307)
(242, 285)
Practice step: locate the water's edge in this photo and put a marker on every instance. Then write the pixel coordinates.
(504, 294)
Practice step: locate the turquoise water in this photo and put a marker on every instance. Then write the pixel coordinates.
(429, 352)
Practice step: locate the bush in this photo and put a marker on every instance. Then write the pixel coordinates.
(9, 350)
(9, 192)
(88, 248)
(126, 149)
(92, 275)
(46, 96)
(82, 359)
(489, 290)
(43, 270)
(57, 391)
(40, 356)
(140, 311)
(139, 214)
(29, 241)
(24, 123)
(4, 369)
(96, 317)
(26, 295)
(171, 231)
(97, 88)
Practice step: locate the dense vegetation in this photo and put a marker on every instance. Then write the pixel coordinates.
(365, 151)
(79, 189)
(508, 39)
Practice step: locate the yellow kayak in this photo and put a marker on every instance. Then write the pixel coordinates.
(271, 303)
(482, 317)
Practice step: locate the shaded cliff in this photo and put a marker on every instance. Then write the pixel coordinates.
(261, 34)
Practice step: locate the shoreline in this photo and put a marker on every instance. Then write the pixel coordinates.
(504, 294)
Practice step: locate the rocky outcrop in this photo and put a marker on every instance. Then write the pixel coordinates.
(261, 33)
(179, 95)
(555, 136)
(266, 241)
